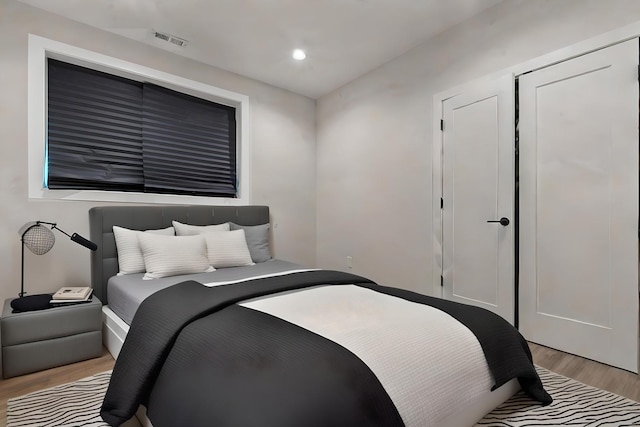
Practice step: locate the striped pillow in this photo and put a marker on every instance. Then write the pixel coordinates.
(192, 230)
(166, 256)
(129, 254)
(227, 249)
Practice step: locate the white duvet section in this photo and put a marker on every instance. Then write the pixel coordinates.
(261, 276)
(430, 364)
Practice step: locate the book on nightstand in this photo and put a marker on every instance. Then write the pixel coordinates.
(71, 295)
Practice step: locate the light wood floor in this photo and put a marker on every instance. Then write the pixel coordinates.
(17, 386)
(587, 371)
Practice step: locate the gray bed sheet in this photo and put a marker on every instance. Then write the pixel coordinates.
(127, 292)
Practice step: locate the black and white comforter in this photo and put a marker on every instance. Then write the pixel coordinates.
(194, 356)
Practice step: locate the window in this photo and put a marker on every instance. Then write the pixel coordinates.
(108, 130)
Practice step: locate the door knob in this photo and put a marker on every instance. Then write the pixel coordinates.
(503, 221)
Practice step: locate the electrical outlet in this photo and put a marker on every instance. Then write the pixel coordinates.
(349, 262)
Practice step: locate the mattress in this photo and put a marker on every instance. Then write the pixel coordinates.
(126, 292)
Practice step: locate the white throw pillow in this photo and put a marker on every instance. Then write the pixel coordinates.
(192, 230)
(173, 255)
(129, 254)
(227, 249)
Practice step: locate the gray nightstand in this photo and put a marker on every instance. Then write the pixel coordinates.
(36, 340)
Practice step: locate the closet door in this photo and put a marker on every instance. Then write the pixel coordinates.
(579, 206)
(478, 190)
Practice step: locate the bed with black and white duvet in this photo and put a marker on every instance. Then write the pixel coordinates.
(269, 343)
(312, 348)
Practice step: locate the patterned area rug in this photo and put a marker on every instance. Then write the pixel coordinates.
(73, 404)
(575, 404)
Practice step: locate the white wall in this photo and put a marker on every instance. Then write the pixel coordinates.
(374, 135)
(283, 156)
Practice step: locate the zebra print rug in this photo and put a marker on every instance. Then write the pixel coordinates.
(575, 404)
(74, 404)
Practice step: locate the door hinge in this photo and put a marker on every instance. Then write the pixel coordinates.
(441, 282)
(441, 203)
(442, 123)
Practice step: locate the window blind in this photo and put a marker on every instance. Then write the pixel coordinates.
(110, 133)
(188, 144)
(94, 130)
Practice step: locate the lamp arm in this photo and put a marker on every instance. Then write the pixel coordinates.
(48, 223)
(55, 227)
(75, 236)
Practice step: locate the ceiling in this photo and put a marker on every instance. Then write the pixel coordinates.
(343, 39)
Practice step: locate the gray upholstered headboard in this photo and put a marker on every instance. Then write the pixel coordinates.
(104, 261)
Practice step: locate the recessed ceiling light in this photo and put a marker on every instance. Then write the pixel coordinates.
(299, 55)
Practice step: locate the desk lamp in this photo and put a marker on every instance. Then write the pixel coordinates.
(39, 240)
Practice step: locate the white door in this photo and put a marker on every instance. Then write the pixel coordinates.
(579, 206)
(478, 187)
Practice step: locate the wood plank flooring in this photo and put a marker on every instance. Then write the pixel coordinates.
(18, 386)
(587, 371)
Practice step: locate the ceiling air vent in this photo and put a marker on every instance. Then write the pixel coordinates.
(170, 38)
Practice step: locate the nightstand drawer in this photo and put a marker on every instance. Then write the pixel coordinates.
(36, 340)
(38, 355)
(29, 326)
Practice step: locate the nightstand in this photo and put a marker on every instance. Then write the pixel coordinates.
(37, 340)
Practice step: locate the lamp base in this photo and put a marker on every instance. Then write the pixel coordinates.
(31, 303)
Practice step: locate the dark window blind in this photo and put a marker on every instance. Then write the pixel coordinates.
(188, 144)
(94, 130)
(110, 133)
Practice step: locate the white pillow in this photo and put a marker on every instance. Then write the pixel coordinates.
(192, 230)
(129, 254)
(173, 255)
(227, 249)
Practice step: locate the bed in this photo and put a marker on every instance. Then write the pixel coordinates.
(275, 343)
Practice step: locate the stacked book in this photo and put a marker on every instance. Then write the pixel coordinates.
(70, 295)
